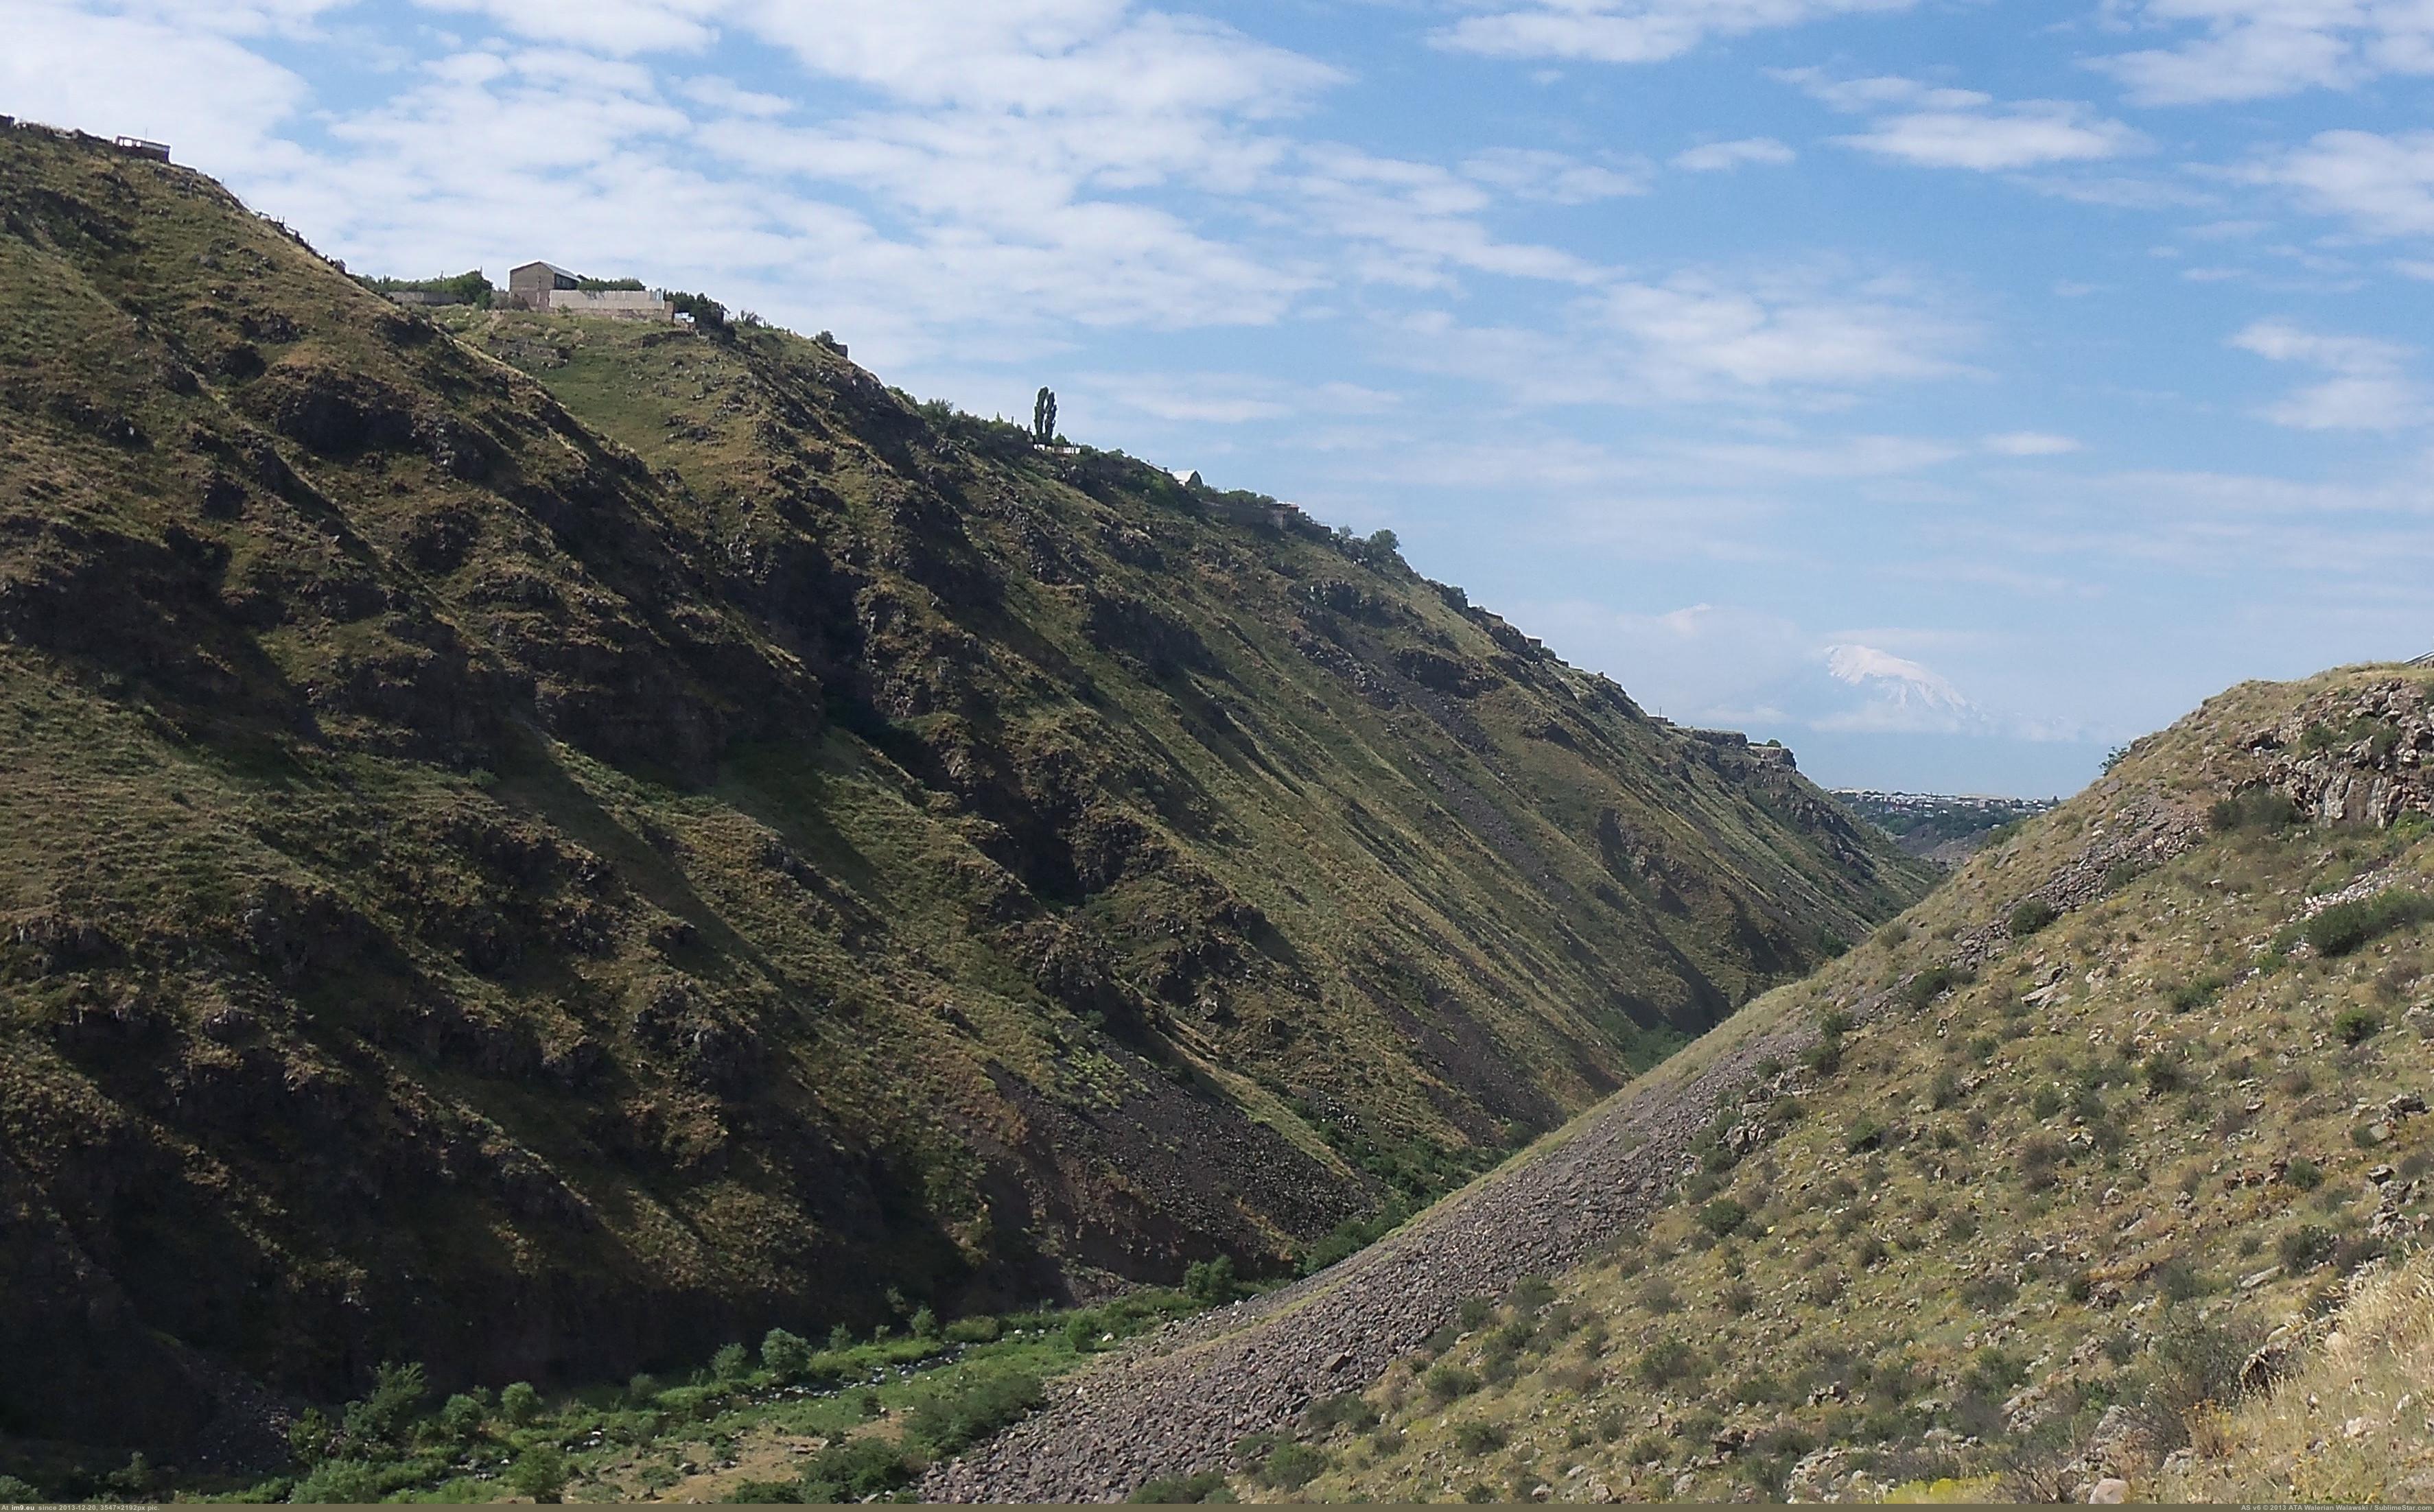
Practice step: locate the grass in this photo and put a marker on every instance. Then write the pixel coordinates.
(2345, 1425)
(2054, 1172)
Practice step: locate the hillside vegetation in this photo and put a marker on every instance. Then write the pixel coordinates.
(541, 847)
(2047, 1185)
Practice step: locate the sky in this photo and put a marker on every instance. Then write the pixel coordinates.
(1952, 389)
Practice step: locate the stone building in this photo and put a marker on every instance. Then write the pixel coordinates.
(547, 286)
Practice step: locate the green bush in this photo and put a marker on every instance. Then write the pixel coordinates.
(1669, 1363)
(1448, 1381)
(2256, 809)
(947, 1419)
(461, 1415)
(1479, 1437)
(385, 1415)
(1212, 1282)
(1345, 1409)
(762, 1493)
(1866, 1132)
(982, 1329)
(1292, 1466)
(2345, 927)
(539, 1473)
(732, 1362)
(2355, 1026)
(2030, 917)
(1723, 1217)
(1930, 984)
(519, 1404)
(1208, 1485)
(856, 1470)
(787, 1355)
(2305, 1247)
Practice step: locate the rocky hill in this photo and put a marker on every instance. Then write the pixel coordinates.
(539, 846)
(2043, 1193)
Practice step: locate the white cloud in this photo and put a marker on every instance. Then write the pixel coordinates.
(2384, 185)
(1634, 31)
(2255, 49)
(1937, 126)
(172, 78)
(1716, 156)
(2029, 444)
(1555, 178)
(2369, 388)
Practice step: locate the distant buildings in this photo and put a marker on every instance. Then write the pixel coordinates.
(547, 286)
(157, 151)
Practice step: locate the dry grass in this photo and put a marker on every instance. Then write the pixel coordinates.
(2353, 1423)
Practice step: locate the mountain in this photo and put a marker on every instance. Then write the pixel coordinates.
(2062, 1179)
(538, 846)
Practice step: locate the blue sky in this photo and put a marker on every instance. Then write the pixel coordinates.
(1951, 388)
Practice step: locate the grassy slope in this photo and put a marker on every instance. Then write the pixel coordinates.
(2095, 1169)
(540, 876)
(2350, 1423)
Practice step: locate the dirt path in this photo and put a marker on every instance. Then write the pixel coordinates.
(1175, 1403)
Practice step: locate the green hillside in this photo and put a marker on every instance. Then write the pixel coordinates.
(2057, 1176)
(538, 847)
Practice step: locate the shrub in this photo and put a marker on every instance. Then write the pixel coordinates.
(763, 1493)
(1292, 1466)
(1863, 1132)
(1833, 1023)
(2345, 927)
(2256, 809)
(1479, 1437)
(1530, 1294)
(1448, 1381)
(947, 1418)
(2305, 1247)
(981, 1330)
(2355, 1026)
(1723, 1217)
(385, 1415)
(539, 1473)
(1930, 984)
(856, 1470)
(1658, 1297)
(1475, 1310)
(1737, 1297)
(342, 1482)
(1210, 1282)
(2162, 1073)
(786, 1355)
(460, 1417)
(1669, 1361)
(1205, 1486)
(2303, 1173)
(519, 1404)
(1345, 1409)
(2030, 917)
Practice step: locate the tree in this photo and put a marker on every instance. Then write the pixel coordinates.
(1043, 418)
(539, 1472)
(519, 1404)
(786, 1354)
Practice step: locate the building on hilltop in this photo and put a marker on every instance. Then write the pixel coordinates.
(157, 151)
(547, 286)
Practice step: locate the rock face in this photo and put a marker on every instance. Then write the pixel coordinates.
(542, 846)
(2365, 756)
